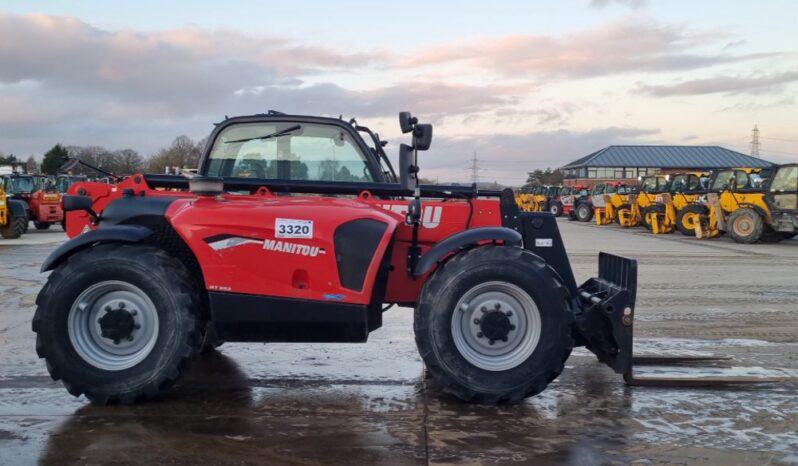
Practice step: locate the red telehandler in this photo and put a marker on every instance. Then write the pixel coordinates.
(296, 229)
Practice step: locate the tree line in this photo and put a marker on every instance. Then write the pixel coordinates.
(182, 152)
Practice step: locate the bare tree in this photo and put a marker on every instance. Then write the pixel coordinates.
(183, 153)
(127, 161)
(32, 166)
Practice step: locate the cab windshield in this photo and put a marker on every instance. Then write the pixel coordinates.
(786, 179)
(21, 184)
(653, 184)
(63, 183)
(288, 151)
(738, 179)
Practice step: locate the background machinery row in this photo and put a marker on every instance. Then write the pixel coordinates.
(749, 204)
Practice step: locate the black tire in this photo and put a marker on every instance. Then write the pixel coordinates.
(584, 212)
(686, 218)
(644, 211)
(163, 279)
(434, 317)
(745, 225)
(556, 209)
(63, 223)
(15, 227)
(42, 225)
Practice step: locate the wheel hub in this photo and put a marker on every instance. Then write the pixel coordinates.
(744, 225)
(495, 325)
(117, 324)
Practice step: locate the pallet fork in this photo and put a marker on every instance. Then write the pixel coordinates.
(605, 326)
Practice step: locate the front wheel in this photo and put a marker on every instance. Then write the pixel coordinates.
(117, 323)
(689, 217)
(14, 228)
(41, 225)
(746, 225)
(556, 209)
(493, 325)
(584, 212)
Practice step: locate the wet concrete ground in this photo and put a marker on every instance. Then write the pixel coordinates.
(371, 403)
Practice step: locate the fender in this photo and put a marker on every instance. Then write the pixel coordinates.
(18, 208)
(115, 233)
(762, 212)
(462, 239)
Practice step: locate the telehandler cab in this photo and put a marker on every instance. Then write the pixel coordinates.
(160, 265)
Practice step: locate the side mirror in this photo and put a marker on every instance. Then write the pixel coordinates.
(422, 136)
(406, 122)
(408, 171)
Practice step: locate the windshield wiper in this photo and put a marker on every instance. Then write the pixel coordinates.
(282, 132)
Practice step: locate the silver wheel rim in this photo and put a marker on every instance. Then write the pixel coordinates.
(85, 331)
(484, 301)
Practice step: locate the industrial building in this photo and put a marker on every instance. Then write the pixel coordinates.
(619, 163)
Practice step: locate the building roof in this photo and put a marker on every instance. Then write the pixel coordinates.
(668, 157)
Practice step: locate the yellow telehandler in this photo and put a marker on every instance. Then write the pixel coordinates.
(751, 208)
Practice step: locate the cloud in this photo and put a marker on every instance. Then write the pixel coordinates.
(629, 3)
(750, 84)
(751, 106)
(183, 68)
(633, 44)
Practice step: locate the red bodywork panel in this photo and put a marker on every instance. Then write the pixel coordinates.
(46, 207)
(257, 262)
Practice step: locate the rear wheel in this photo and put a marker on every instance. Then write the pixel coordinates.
(689, 217)
(42, 225)
(493, 325)
(584, 212)
(15, 227)
(556, 209)
(746, 225)
(117, 323)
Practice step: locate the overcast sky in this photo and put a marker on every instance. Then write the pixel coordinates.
(523, 84)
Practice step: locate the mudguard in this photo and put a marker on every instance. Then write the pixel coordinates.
(18, 208)
(114, 233)
(462, 239)
(758, 209)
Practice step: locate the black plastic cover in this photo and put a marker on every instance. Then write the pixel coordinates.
(355, 242)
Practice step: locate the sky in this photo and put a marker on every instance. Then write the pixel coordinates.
(521, 84)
